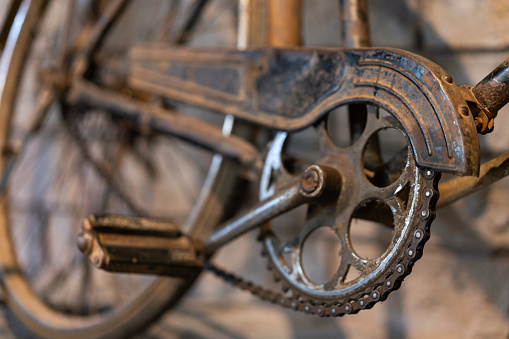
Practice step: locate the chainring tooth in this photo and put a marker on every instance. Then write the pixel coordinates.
(378, 290)
(392, 280)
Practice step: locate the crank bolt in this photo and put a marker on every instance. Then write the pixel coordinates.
(311, 179)
(321, 182)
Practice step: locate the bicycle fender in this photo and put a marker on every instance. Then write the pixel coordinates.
(290, 89)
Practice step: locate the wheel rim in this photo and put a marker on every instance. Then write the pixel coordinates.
(20, 294)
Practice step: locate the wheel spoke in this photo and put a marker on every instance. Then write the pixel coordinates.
(61, 292)
(12, 151)
(110, 177)
(180, 178)
(192, 19)
(58, 277)
(211, 28)
(169, 20)
(67, 34)
(92, 36)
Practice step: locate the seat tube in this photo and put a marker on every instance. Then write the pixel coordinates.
(284, 23)
(354, 23)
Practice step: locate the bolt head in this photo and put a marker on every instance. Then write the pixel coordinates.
(447, 78)
(310, 180)
(84, 242)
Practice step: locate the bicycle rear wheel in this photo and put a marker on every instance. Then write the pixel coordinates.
(60, 164)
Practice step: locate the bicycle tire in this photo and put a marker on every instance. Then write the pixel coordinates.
(32, 310)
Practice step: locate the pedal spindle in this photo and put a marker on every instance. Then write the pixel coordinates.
(138, 245)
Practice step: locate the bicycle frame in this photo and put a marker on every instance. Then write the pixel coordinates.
(286, 88)
(239, 84)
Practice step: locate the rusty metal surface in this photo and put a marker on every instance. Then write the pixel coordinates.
(253, 24)
(318, 184)
(380, 276)
(493, 91)
(164, 121)
(138, 245)
(284, 23)
(291, 89)
(489, 96)
(339, 290)
(457, 188)
(355, 23)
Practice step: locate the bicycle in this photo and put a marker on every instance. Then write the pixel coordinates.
(107, 120)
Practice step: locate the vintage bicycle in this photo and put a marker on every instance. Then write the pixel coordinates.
(160, 143)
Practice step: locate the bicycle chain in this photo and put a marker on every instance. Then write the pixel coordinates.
(364, 300)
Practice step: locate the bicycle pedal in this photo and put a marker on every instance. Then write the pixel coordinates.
(138, 245)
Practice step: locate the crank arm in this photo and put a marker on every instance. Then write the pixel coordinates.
(318, 184)
(155, 246)
(165, 121)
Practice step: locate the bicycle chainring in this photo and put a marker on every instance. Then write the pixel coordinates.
(371, 186)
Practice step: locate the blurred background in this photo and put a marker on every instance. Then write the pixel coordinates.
(459, 289)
